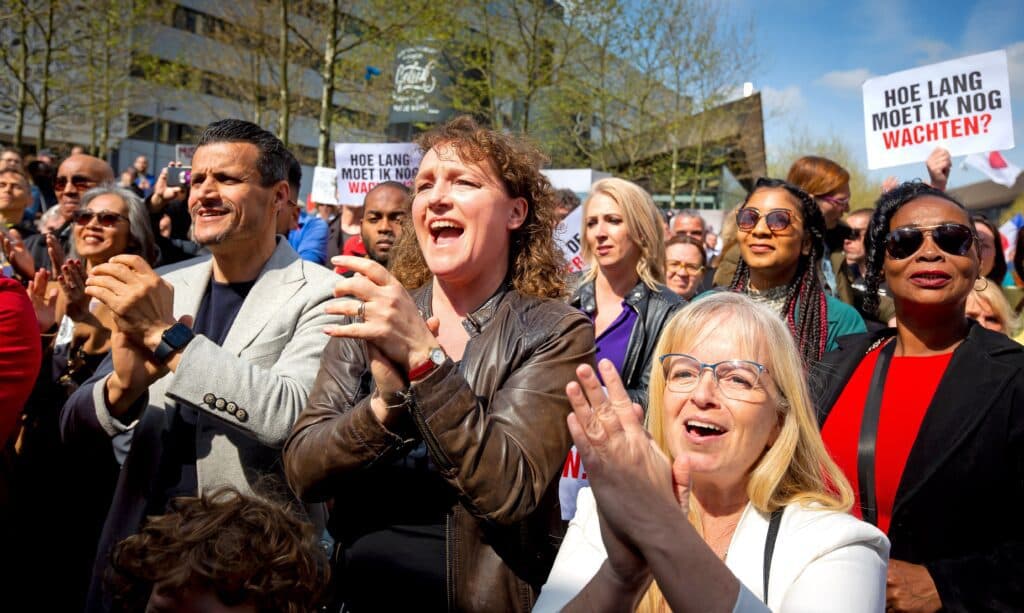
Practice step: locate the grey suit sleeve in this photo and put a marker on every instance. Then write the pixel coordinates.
(262, 391)
(86, 414)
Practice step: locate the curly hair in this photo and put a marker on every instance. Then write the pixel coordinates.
(245, 549)
(878, 232)
(805, 309)
(536, 264)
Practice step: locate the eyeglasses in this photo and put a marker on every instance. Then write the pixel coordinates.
(107, 219)
(737, 379)
(855, 234)
(776, 219)
(690, 269)
(78, 181)
(691, 233)
(953, 238)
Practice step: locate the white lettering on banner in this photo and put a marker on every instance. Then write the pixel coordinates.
(361, 166)
(962, 105)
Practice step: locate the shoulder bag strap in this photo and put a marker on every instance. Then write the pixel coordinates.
(769, 546)
(868, 435)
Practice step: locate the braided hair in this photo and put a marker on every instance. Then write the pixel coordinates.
(878, 233)
(809, 322)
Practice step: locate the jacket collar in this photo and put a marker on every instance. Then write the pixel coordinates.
(475, 322)
(586, 298)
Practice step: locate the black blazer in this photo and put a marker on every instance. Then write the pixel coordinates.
(959, 501)
(654, 309)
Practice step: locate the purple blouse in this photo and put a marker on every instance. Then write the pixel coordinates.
(614, 341)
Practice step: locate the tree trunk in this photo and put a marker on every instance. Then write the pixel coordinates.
(283, 114)
(22, 104)
(105, 93)
(44, 102)
(327, 88)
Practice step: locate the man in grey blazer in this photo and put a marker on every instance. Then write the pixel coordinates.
(211, 360)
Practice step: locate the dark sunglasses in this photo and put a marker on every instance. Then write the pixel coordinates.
(107, 219)
(953, 238)
(777, 220)
(855, 234)
(78, 181)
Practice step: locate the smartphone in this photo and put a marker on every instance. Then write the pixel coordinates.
(178, 175)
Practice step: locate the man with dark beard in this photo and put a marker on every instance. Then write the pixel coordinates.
(384, 209)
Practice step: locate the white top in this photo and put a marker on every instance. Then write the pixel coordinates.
(824, 561)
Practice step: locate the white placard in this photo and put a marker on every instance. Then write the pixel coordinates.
(324, 185)
(569, 236)
(962, 105)
(361, 166)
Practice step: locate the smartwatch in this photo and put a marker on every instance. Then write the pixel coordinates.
(435, 359)
(173, 339)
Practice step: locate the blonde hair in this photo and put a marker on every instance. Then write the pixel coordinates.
(993, 296)
(643, 224)
(796, 468)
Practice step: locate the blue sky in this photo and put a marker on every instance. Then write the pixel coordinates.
(815, 55)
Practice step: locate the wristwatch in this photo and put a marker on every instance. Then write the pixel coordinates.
(173, 339)
(435, 359)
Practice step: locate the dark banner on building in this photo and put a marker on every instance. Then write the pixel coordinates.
(420, 82)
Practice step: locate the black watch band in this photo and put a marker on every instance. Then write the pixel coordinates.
(173, 339)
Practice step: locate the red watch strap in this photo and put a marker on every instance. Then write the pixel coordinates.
(422, 370)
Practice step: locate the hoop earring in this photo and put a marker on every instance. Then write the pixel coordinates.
(983, 287)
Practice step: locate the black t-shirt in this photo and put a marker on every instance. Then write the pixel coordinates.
(177, 475)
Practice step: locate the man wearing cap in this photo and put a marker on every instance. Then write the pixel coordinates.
(212, 362)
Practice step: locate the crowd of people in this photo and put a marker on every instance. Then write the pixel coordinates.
(215, 398)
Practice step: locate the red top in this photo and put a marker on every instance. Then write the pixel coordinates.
(20, 352)
(909, 387)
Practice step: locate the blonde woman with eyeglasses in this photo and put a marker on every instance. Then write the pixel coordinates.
(730, 501)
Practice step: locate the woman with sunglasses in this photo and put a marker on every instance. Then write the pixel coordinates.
(993, 261)
(927, 419)
(730, 502)
(781, 237)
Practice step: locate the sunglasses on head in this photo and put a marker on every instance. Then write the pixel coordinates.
(78, 181)
(777, 220)
(953, 238)
(107, 219)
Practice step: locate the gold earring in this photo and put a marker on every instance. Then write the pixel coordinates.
(983, 287)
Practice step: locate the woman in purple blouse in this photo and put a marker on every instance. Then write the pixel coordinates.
(623, 292)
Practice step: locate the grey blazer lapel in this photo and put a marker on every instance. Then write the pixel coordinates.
(190, 288)
(278, 282)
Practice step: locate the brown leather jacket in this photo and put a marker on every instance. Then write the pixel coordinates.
(494, 425)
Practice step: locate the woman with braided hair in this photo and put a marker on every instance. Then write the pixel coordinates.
(781, 236)
(927, 419)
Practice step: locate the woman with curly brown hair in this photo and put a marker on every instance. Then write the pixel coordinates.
(223, 551)
(438, 415)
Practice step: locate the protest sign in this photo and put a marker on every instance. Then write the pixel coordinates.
(183, 154)
(361, 166)
(569, 236)
(962, 105)
(325, 182)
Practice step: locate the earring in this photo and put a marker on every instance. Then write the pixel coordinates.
(983, 287)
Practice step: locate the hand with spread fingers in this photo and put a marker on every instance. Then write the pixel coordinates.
(383, 314)
(57, 256)
(631, 477)
(17, 255)
(141, 301)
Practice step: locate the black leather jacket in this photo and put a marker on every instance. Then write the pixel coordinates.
(654, 308)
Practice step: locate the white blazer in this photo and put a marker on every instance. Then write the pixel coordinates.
(824, 561)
